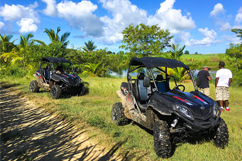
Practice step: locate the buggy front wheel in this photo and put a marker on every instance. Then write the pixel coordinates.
(81, 90)
(55, 91)
(162, 139)
(221, 137)
(33, 86)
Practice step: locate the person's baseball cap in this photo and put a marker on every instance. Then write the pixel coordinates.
(207, 67)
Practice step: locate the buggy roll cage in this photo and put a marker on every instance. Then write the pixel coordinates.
(55, 60)
(156, 62)
(152, 76)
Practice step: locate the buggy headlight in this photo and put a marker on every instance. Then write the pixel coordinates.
(215, 110)
(184, 111)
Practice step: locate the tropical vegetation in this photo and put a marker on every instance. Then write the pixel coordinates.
(145, 40)
(89, 46)
(141, 40)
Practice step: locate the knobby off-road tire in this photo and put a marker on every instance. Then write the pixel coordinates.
(33, 86)
(221, 138)
(55, 91)
(81, 90)
(162, 139)
(118, 116)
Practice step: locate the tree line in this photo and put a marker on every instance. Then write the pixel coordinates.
(141, 40)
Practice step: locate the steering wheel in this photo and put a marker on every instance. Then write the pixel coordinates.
(180, 85)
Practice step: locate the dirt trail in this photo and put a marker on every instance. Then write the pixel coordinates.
(30, 133)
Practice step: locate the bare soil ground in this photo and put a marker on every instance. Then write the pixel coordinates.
(29, 132)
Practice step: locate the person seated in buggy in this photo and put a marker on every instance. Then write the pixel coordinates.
(59, 69)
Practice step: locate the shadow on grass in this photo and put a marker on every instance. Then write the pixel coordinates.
(30, 133)
(8, 85)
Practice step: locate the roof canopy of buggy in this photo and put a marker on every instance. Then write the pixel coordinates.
(55, 60)
(152, 62)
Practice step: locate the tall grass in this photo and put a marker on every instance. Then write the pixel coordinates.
(93, 112)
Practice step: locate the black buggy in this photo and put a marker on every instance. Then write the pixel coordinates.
(171, 114)
(57, 81)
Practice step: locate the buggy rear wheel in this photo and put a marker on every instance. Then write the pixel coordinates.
(118, 116)
(162, 139)
(55, 91)
(33, 86)
(221, 138)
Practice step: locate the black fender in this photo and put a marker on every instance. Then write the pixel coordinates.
(157, 106)
(162, 109)
(152, 112)
(161, 104)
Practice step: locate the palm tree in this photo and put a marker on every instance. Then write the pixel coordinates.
(54, 37)
(89, 46)
(5, 44)
(176, 51)
(24, 47)
(21, 54)
(94, 70)
(91, 69)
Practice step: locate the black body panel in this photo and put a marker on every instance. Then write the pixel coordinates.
(198, 104)
(69, 79)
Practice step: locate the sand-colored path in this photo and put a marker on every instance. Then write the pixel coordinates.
(30, 133)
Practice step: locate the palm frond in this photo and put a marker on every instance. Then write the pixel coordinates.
(16, 60)
(65, 36)
(5, 57)
(39, 41)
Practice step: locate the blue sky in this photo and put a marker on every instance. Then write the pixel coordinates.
(204, 26)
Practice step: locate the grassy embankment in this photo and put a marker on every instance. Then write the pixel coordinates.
(93, 112)
(212, 60)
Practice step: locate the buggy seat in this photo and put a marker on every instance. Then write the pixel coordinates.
(141, 91)
(47, 72)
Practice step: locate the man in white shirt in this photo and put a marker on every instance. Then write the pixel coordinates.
(222, 82)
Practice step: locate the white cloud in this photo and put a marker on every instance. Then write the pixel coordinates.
(34, 5)
(168, 18)
(238, 17)
(50, 10)
(210, 37)
(188, 13)
(218, 9)
(78, 15)
(108, 29)
(218, 19)
(211, 34)
(12, 13)
(183, 37)
(16, 12)
(123, 13)
(1, 25)
(231, 39)
(22, 15)
(225, 27)
(166, 6)
(27, 25)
